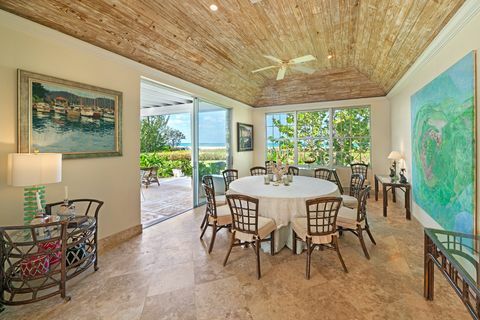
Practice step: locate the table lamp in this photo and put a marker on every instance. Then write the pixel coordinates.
(32, 171)
(395, 156)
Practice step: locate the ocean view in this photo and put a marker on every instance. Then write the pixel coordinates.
(204, 145)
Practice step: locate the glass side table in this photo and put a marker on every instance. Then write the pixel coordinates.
(389, 184)
(457, 257)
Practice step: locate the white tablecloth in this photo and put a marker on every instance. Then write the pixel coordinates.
(283, 203)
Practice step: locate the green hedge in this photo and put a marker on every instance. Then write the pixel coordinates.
(212, 161)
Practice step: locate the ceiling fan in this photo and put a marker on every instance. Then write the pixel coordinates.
(283, 65)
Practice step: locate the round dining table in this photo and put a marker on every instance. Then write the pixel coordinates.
(283, 203)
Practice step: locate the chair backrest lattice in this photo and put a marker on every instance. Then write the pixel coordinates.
(356, 184)
(295, 171)
(359, 168)
(208, 180)
(322, 215)
(323, 173)
(244, 211)
(211, 206)
(362, 204)
(258, 171)
(229, 175)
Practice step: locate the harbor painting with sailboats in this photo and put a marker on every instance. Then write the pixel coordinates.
(72, 120)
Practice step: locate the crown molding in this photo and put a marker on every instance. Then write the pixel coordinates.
(461, 18)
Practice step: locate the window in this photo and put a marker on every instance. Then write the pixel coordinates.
(280, 136)
(328, 137)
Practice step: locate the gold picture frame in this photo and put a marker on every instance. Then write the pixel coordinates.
(72, 118)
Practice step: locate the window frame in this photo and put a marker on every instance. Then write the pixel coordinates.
(331, 111)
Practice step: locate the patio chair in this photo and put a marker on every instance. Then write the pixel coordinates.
(150, 175)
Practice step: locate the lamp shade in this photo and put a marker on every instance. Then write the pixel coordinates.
(395, 155)
(32, 169)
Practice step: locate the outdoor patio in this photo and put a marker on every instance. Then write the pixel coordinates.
(160, 202)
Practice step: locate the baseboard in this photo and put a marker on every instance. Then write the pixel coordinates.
(119, 237)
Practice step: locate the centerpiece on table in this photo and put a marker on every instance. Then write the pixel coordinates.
(279, 170)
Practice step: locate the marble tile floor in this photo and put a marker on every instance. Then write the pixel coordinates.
(166, 274)
(173, 196)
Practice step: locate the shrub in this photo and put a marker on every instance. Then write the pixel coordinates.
(212, 161)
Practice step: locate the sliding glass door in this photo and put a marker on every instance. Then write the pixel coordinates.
(183, 138)
(211, 145)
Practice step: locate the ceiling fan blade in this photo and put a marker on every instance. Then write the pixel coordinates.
(266, 68)
(281, 73)
(304, 69)
(273, 59)
(302, 59)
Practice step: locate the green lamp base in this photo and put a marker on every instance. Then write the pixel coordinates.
(30, 207)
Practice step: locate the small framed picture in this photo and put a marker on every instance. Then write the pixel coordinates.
(62, 116)
(244, 137)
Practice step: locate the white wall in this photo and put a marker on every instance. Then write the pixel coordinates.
(380, 131)
(439, 56)
(30, 46)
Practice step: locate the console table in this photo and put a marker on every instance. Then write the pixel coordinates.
(389, 184)
(457, 257)
(37, 260)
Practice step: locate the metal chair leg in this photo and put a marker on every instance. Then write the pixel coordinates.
(370, 234)
(257, 252)
(309, 258)
(272, 243)
(214, 235)
(232, 241)
(294, 242)
(337, 248)
(362, 242)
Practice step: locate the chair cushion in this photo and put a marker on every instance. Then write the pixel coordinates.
(299, 225)
(349, 201)
(265, 227)
(220, 199)
(347, 218)
(223, 216)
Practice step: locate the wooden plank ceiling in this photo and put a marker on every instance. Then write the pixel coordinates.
(373, 42)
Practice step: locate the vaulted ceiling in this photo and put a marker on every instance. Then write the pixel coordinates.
(373, 42)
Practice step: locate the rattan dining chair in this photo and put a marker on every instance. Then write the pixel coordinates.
(269, 165)
(217, 217)
(229, 175)
(258, 171)
(220, 199)
(323, 173)
(335, 179)
(356, 185)
(361, 168)
(319, 228)
(356, 221)
(249, 227)
(295, 171)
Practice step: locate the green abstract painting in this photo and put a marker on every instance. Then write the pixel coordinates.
(443, 147)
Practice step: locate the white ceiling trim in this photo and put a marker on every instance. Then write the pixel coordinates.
(461, 18)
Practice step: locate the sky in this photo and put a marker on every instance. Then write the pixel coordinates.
(211, 126)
